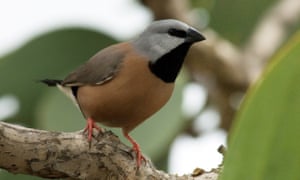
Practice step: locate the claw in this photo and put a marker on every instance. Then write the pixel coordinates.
(136, 148)
(90, 125)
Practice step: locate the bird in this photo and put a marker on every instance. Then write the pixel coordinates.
(124, 84)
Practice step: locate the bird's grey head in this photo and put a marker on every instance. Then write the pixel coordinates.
(163, 36)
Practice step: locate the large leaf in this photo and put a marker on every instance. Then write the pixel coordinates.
(265, 139)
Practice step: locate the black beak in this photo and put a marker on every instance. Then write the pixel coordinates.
(194, 36)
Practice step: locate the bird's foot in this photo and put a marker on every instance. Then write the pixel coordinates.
(90, 125)
(139, 154)
(136, 149)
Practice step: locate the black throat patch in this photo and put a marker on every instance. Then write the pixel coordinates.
(168, 66)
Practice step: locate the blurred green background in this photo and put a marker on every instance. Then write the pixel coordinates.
(54, 52)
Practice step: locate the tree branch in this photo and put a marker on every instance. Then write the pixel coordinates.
(69, 155)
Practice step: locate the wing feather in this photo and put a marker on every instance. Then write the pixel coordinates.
(101, 68)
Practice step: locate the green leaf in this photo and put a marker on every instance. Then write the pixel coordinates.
(264, 142)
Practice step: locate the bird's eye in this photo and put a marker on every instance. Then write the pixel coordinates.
(177, 33)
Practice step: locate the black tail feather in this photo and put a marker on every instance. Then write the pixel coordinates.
(51, 82)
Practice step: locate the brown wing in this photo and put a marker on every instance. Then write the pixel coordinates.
(102, 67)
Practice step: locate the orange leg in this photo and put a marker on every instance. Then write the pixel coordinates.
(90, 125)
(136, 148)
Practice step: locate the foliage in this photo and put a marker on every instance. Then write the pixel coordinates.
(263, 144)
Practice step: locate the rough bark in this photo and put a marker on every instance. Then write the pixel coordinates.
(69, 156)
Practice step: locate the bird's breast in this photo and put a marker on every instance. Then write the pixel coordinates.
(133, 95)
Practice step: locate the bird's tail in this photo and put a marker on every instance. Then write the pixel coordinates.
(51, 82)
(69, 91)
